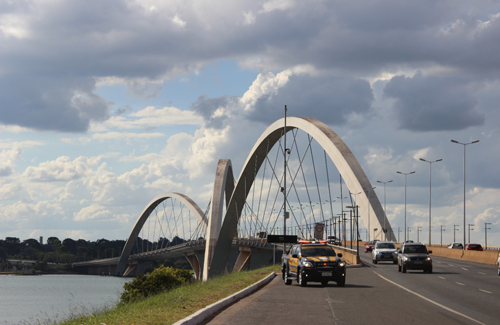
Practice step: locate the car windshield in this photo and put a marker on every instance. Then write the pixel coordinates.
(317, 251)
(474, 246)
(415, 249)
(370, 243)
(386, 245)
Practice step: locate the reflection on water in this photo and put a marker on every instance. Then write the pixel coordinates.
(37, 299)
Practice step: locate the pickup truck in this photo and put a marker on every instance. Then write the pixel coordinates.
(308, 262)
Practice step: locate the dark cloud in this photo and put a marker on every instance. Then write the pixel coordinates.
(432, 103)
(47, 104)
(329, 99)
(69, 43)
(206, 107)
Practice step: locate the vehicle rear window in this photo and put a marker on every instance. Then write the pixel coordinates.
(317, 251)
(415, 249)
(386, 245)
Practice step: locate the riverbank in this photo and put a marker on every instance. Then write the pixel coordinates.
(172, 306)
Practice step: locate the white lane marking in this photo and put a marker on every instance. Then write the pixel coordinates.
(430, 300)
(460, 284)
(482, 273)
(485, 291)
(463, 268)
(441, 277)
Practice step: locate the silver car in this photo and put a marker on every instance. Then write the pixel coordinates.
(384, 251)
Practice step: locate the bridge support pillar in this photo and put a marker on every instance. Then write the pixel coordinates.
(243, 258)
(195, 259)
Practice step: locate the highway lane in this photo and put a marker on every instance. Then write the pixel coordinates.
(470, 288)
(377, 294)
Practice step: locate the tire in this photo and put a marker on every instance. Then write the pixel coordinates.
(286, 279)
(324, 283)
(374, 261)
(341, 282)
(301, 280)
(429, 270)
(399, 268)
(403, 269)
(394, 262)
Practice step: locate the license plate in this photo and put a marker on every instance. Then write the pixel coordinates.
(326, 273)
(418, 262)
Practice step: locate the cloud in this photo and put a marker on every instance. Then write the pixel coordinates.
(61, 169)
(215, 111)
(152, 117)
(55, 54)
(8, 160)
(433, 103)
(92, 212)
(327, 98)
(127, 136)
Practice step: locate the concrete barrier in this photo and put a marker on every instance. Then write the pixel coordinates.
(348, 255)
(485, 257)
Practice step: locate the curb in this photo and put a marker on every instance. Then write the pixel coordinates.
(212, 309)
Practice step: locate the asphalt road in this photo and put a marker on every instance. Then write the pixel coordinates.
(455, 293)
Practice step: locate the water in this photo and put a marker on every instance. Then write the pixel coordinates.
(36, 299)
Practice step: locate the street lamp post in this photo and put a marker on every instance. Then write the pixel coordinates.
(406, 174)
(419, 229)
(385, 207)
(469, 225)
(486, 234)
(430, 193)
(454, 232)
(442, 234)
(465, 145)
(408, 229)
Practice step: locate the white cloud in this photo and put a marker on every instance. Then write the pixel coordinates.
(151, 117)
(93, 212)
(61, 169)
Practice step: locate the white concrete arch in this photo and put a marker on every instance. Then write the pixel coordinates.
(336, 149)
(129, 245)
(223, 188)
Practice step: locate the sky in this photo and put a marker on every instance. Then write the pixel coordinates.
(106, 104)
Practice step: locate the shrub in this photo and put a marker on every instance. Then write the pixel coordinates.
(161, 279)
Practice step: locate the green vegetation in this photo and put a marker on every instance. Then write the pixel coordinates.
(160, 280)
(176, 304)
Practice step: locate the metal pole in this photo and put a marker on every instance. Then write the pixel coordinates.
(406, 174)
(284, 184)
(464, 144)
(469, 232)
(486, 234)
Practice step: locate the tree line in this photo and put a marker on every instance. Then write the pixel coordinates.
(70, 251)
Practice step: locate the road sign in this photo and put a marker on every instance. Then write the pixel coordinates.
(280, 239)
(318, 230)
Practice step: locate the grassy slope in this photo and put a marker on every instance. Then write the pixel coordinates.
(170, 307)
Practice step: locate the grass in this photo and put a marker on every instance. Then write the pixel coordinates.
(170, 307)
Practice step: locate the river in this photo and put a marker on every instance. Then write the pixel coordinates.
(37, 299)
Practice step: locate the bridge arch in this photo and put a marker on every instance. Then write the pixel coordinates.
(336, 149)
(129, 245)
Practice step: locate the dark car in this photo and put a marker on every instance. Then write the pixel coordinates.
(414, 256)
(473, 247)
(369, 246)
(333, 240)
(309, 262)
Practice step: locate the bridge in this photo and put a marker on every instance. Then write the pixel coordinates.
(296, 186)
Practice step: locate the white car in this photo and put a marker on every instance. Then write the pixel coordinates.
(498, 263)
(384, 251)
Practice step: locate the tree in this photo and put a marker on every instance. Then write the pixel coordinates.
(70, 245)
